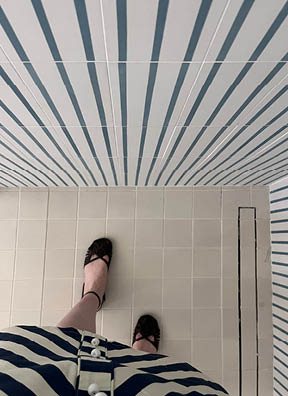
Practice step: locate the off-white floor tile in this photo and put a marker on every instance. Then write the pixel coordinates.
(260, 199)
(230, 293)
(117, 323)
(230, 262)
(177, 262)
(230, 323)
(177, 233)
(31, 318)
(6, 264)
(265, 353)
(177, 293)
(7, 234)
(92, 204)
(176, 324)
(230, 233)
(179, 350)
(4, 319)
(122, 231)
(5, 294)
(61, 234)
(148, 263)
(52, 317)
(207, 353)
(62, 204)
(207, 233)
(207, 204)
(59, 263)
(207, 262)
(149, 204)
(118, 292)
(88, 231)
(265, 382)
(33, 205)
(232, 199)
(29, 264)
(149, 233)
(122, 261)
(122, 204)
(57, 294)
(147, 293)
(27, 295)
(31, 234)
(263, 234)
(207, 292)
(178, 204)
(206, 323)
(230, 353)
(9, 204)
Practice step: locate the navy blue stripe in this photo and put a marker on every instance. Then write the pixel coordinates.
(250, 181)
(194, 38)
(279, 189)
(280, 307)
(280, 383)
(9, 385)
(279, 200)
(40, 13)
(87, 42)
(276, 179)
(280, 329)
(3, 185)
(158, 37)
(279, 339)
(18, 173)
(268, 179)
(8, 181)
(13, 177)
(279, 295)
(280, 274)
(20, 167)
(50, 373)
(255, 55)
(234, 30)
(40, 123)
(166, 368)
(23, 145)
(122, 51)
(280, 372)
(277, 316)
(236, 135)
(253, 150)
(24, 58)
(280, 232)
(280, 361)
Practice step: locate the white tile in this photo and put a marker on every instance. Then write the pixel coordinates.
(29, 264)
(149, 204)
(9, 205)
(7, 234)
(118, 293)
(6, 264)
(230, 354)
(230, 293)
(61, 234)
(62, 204)
(117, 323)
(180, 350)
(207, 204)
(52, 317)
(31, 234)
(265, 353)
(27, 295)
(207, 353)
(230, 323)
(230, 262)
(207, 262)
(206, 292)
(30, 318)
(147, 293)
(206, 323)
(59, 263)
(148, 263)
(57, 294)
(5, 295)
(33, 205)
(4, 319)
(88, 231)
(177, 262)
(178, 204)
(177, 293)
(176, 324)
(121, 204)
(232, 200)
(92, 204)
(149, 233)
(177, 233)
(121, 231)
(207, 233)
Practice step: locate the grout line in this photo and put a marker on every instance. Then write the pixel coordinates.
(163, 241)
(75, 247)
(192, 277)
(15, 257)
(106, 228)
(45, 255)
(197, 76)
(221, 286)
(133, 268)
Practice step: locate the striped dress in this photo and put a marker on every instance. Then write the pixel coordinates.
(51, 361)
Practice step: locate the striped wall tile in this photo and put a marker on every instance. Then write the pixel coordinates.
(126, 92)
(279, 242)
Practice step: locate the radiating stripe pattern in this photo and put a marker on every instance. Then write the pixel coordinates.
(151, 93)
(279, 241)
(58, 361)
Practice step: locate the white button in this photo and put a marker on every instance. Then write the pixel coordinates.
(96, 352)
(95, 341)
(101, 394)
(93, 389)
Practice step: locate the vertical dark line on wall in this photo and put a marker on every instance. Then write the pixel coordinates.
(239, 307)
(256, 302)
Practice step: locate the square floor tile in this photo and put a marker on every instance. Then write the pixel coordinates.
(29, 264)
(33, 205)
(207, 354)
(5, 294)
(88, 231)
(177, 293)
(62, 204)
(59, 263)
(176, 324)
(177, 262)
(149, 233)
(179, 350)
(147, 293)
(61, 234)
(207, 262)
(27, 295)
(92, 204)
(148, 262)
(207, 233)
(121, 204)
(206, 323)
(207, 204)
(117, 323)
(206, 292)
(6, 264)
(32, 234)
(178, 204)
(8, 234)
(178, 233)
(30, 318)
(9, 204)
(57, 294)
(149, 204)
(118, 292)
(122, 231)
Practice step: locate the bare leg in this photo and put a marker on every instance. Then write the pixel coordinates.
(144, 345)
(83, 315)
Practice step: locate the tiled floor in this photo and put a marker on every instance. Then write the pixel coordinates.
(175, 256)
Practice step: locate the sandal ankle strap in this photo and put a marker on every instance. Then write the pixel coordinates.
(99, 299)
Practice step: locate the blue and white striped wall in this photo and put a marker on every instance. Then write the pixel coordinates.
(133, 92)
(279, 240)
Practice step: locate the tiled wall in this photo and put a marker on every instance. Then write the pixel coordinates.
(279, 242)
(175, 256)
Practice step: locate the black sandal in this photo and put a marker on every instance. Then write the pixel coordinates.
(147, 325)
(101, 247)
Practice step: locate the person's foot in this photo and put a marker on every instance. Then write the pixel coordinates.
(144, 345)
(96, 276)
